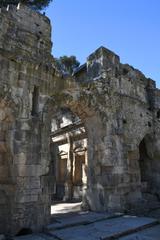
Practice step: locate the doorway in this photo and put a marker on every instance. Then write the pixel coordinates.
(69, 157)
(149, 167)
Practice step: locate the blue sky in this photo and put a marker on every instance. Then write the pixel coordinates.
(130, 28)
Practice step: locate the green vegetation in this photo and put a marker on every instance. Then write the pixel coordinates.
(37, 5)
(67, 64)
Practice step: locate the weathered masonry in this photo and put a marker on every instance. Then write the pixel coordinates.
(118, 110)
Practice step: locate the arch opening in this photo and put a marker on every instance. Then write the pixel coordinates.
(144, 162)
(149, 164)
(68, 145)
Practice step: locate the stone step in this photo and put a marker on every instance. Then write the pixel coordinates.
(81, 218)
(152, 233)
(39, 236)
(106, 229)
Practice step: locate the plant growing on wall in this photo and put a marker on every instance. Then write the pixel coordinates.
(37, 5)
(67, 64)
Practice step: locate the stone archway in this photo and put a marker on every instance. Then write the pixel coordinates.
(68, 148)
(149, 156)
(95, 133)
(143, 162)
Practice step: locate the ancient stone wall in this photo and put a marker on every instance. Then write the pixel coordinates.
(118, 105)
(128, 106)
(26, 65)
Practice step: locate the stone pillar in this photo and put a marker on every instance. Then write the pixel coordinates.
(84, 174)
(53, 168)
(69, 183)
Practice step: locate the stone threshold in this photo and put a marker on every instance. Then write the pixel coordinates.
(80, 219)
(108, 229)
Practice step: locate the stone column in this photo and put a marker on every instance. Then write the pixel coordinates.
(84, 170)
(69, 184)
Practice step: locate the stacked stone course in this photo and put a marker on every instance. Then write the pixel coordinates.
(118, 105)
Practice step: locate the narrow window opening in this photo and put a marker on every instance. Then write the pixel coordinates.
(158, 114)
(125, 71)
(35, 97)
(24, 231)
(124, 121)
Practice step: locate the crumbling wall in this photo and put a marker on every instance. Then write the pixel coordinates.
(128, 105)
(118, 105)
(26, 64)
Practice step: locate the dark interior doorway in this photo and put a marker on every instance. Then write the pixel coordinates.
(144, 163)
(148, 167)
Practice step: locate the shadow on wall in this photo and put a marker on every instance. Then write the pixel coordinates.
(149, 163)
(24, 231)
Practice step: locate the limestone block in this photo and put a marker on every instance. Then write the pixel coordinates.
(28, 192)
(98, 170)
(28, 182)
(2, 115)
(45, 198)
(26, 198)
(29, 170)
(114, 201)
(20, 135)
(4, 172)
(3, 158)
(2, 135)
(2, 198)
(20, 158)
(3, 147)
(133, 155)
(25, 126)
(32, 191)
(118, 170)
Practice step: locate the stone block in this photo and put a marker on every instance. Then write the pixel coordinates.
(3, 136)
(29, 170)
(28, 182)
(3, 147)
(20, 158)
(4, 172)
(133, 155)
(22, 198)
(3, 159)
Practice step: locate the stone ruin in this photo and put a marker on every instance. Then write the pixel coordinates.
(112, 125)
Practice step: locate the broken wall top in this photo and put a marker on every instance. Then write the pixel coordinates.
(104, 66)
(25, 36)
(25, 33)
